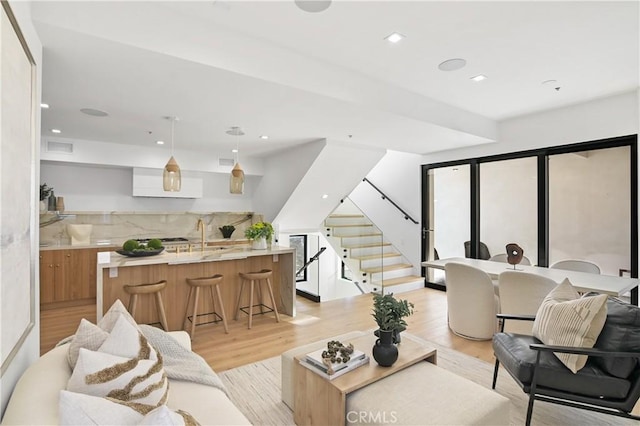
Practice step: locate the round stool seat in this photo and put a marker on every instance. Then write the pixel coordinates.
(204, 282)
(154, 289)
(262, 275)
(195, 284)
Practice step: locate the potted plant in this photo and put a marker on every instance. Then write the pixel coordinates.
(227, 230)
(389, 314)
(260, 234)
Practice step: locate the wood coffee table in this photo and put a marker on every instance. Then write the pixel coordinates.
(318, 401)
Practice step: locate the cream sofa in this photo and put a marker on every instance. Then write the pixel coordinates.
(35, 398)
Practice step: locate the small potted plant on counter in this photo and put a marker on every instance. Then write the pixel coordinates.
(389, 314)
(227, 230)
(259, 233)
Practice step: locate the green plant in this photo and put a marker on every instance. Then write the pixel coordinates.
(389, 312)
(45, 191)
(259, 230)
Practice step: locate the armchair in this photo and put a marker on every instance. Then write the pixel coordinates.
(595, 387)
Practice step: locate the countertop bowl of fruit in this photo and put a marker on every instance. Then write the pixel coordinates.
(133, 248)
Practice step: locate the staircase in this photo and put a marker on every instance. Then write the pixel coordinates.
(379, 266)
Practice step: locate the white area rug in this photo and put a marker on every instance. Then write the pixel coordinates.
(255, 390)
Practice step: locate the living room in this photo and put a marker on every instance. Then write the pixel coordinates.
(585, 115)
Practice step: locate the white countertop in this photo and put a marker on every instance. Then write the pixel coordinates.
(196, 256)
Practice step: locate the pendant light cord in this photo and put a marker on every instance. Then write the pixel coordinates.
(173, 123)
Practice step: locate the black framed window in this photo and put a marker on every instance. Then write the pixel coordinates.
(345, 272)
(299, 242)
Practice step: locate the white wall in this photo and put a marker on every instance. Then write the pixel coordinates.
(107, 188)
(30, 350)
(398, 176)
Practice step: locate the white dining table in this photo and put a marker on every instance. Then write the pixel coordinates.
(582, 281)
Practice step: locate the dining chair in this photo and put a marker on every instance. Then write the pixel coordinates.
(502, 257)
(521, 293)
(484, 250)
(576, 265)
(471, 302)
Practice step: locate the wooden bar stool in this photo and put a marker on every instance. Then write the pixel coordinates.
(194, 287)
(155, 289)
(259, 277)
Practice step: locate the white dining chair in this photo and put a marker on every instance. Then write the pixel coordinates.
(471, 302)
(522, 293)
(576, 265)
(502, 257)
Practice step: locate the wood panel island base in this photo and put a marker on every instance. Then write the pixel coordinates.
(117, 271)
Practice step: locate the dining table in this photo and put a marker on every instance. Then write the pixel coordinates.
(583, 281)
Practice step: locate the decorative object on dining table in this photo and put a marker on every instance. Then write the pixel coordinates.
(227, 230)
(389, 314)
(132, 248)
(260, 233)
(514, 254)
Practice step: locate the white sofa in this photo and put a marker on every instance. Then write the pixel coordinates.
(35, 398)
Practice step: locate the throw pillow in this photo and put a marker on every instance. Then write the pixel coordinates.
(79, 409)
(126, 341)
(88, 336)
(139, 381)
(563, 319)
(163, 415)
(108, 320)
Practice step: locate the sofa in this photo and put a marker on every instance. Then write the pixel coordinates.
(37, 397)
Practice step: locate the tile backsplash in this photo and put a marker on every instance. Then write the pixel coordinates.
(117, 227)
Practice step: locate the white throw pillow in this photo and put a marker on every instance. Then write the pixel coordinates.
(88, 336)
(564, 319)
(126, 341)
(163, 415)
(79, 409)
(131, 380)
(109, 319)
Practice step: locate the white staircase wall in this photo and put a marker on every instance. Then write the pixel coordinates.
(398, 176)
(290, 194)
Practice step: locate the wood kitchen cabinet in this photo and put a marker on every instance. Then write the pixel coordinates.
(68, 277)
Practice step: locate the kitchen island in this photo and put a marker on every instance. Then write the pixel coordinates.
(115, 271)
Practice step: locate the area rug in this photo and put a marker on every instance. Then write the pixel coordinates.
(255, 390)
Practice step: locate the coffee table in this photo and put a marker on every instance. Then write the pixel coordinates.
(318, 401)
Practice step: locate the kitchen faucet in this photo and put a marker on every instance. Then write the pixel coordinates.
(201, 226)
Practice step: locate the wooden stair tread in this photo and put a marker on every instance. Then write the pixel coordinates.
(358, 235)
(376, 256)
(388, 267)
(354, 225)
(367, 245)
(338, 216)
(399, 280)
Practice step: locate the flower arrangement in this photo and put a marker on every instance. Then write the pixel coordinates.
(259, 230)
(45, 191)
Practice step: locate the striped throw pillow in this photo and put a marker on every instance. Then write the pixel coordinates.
(565, 319)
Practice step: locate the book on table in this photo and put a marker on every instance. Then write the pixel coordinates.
(313, 361)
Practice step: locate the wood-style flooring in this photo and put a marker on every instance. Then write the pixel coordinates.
(267, 338)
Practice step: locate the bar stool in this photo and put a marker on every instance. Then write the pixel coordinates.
(194, 287)
(155, 289)
(259, 277)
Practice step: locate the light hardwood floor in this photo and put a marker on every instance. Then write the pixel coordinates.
(267, 338)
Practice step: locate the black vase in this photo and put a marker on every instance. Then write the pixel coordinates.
(384, 351)
(226, 232)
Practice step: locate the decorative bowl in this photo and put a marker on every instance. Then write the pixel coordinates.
(140, 253)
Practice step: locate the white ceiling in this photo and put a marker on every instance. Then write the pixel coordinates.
(273, 69)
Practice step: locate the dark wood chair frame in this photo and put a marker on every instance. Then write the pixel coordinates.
(535, 392)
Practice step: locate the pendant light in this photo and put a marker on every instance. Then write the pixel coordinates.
(171, 177)
(236, 180)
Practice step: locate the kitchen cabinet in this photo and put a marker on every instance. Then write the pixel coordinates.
(68, 277)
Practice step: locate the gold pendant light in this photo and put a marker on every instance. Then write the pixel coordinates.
(236, 180)
(171, 176)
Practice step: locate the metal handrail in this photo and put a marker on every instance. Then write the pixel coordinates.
(311, 260)
(384, 197)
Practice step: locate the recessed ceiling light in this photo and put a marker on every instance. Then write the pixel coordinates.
(452, 64)
(325, 196)
(56, 131)
(43, 105)
(234, 150)
(479, 77)
(394, 37)
(160, 142)
(264, 137)
(313, 6)
(94, 112)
